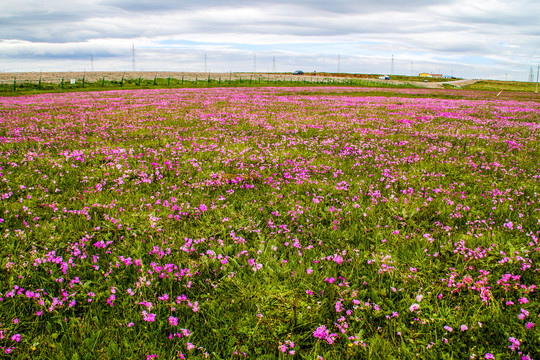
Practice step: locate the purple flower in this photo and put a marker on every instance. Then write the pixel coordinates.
(148, 316)
(173, 321)
(16, 337)
(321, 332)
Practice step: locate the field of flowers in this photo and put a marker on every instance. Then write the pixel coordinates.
(263, 223)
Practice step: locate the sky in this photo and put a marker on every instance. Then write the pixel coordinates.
(488, 39)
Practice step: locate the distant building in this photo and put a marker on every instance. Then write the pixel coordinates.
(447, 76)
(430, 75)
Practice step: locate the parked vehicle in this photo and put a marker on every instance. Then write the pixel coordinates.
(384, 77)
(298, 72)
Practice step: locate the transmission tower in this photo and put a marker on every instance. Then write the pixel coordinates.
(392, 68)
(339, 63)
(537, 73)
(254, 62)
(274, 64)
(531, 75)
(133, 55)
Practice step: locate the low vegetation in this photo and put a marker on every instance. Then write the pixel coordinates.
(264, 223)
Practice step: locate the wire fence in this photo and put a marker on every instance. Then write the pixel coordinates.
(32, 82)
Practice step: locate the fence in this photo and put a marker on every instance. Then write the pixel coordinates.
(93, 81)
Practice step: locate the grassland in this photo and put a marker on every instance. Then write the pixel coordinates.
(270, 222)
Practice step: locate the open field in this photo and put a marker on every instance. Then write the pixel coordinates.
(134, 76)
(264, 223)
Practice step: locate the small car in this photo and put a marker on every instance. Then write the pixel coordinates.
(298, 72)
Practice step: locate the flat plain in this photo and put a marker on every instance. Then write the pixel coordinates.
(272, 222)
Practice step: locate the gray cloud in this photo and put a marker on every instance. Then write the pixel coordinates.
(309, 6)
(446, 33)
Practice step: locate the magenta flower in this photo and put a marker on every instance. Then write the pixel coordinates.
(321, 332)
(148, 316)
(524, 314)
(173, 321)
(16, 337)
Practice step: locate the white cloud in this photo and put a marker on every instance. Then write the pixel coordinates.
(474, 39)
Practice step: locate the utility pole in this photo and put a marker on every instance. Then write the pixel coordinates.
(392, 68)
(254, 63)
(537, 72)
(205, 61)
(274, 64)
(339, 63)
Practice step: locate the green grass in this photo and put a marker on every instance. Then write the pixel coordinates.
(495, 85)
(27, 88)
(256, 217)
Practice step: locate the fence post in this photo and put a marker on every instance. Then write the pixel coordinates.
(139, 82)
(182, 79)
(39, 84)
(62, 83)
(122, 81)
(209, 79)
(169, 80)
(103, 81)
(155, 79)
(83, 81)
(14, 85)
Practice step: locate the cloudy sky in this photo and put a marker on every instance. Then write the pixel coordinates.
(494, 39)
